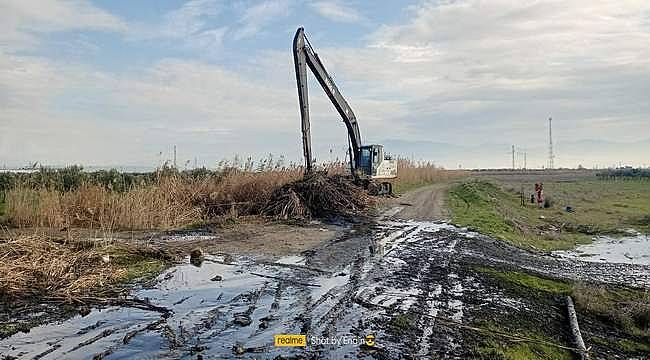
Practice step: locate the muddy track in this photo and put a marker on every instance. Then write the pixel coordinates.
(403, 281)
(426, 203)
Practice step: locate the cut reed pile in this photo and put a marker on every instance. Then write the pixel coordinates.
(34, 266)
(318, 195)
(240, 192)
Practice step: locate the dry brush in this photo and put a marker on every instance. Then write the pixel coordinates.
(175, 200)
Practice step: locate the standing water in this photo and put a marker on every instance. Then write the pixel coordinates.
(626, 250)
(232, 306)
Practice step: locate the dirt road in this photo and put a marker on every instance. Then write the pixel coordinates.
(426, 203)
(414, 285)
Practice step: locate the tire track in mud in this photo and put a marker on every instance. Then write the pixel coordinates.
(417, 275)
(400, 270)
(439, 285)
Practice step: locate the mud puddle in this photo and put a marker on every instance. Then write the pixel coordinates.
(393, 282)
(227, 305)
(485, 251)
(625, 250)
(232, 306)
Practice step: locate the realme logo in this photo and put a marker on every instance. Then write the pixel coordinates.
(290, 340)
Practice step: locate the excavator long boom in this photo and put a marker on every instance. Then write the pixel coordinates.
(303, 56)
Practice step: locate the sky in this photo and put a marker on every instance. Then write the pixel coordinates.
(117, 82)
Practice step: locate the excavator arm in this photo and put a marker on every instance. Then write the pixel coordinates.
(303, 56)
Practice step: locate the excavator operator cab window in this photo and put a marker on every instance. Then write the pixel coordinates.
(365, 160)
(371, 157)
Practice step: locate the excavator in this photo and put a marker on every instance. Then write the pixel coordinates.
(369, 165)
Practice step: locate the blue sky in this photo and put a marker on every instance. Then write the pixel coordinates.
(118, 82)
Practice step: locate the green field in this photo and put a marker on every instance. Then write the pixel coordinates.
(598, 301)
(493, 207)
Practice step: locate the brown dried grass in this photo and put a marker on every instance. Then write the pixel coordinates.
(32, 266)
(240, 192)
(175, 201)
(172, 202)
(411, 173)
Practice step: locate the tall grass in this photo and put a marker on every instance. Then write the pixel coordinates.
(411, 174)
(172, 201)
(168, 199)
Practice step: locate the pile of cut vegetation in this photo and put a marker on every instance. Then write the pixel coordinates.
(318, 195)
(35, 266)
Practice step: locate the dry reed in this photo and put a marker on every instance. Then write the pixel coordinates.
(175, 200)
(172, 202)
(416, 173)
(34, 266)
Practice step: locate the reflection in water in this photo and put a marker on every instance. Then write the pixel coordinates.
(626, 250)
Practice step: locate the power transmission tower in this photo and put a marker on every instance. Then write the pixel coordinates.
(550, 144)
(513, 157)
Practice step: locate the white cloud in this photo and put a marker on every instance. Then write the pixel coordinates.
(507, 62)
(51, 111)
(190, 18)
(337, 11)
(192, 24)
(21, 19)
(483, 71)
(257, 17)
(458, 72)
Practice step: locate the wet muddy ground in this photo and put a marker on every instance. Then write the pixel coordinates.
(411, 284)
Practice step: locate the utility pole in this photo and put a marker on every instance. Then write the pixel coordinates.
(513, 157)
(522, 157)
(524, 160)
(174, 156)
(550, 144)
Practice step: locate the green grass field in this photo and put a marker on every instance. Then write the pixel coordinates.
(494, 348)
(599, 207)
(600, 301)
